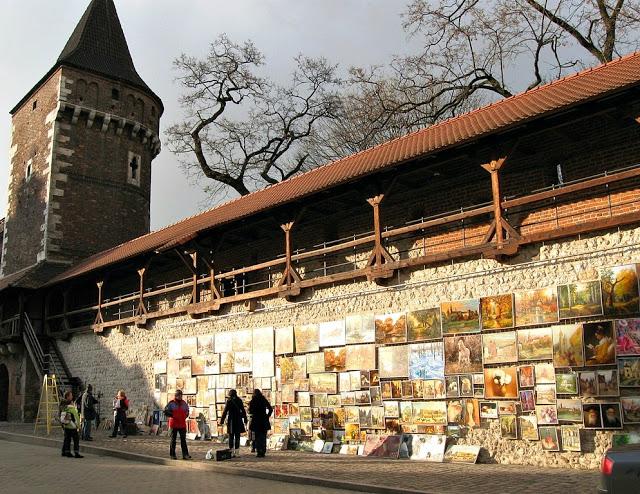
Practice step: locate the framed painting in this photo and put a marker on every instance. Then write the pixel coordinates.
(324, 382)
(335, 359)
(355, 380)
(315, 362)
(424, 324)
(630, 409)
(501, 382)
(528, 425)
(307, 338)
(507, 408)
(393, 361)
(197, 365)
(568, 346)
(223, 342)
(344, 382)
(465, 385)
(629, 372)
(599, 343)
(567, 383)
(284, 340)
(488, 409)
(242, 341)
(499, 348)
(462, 453)
(620, 290)
(508, 426)
(547, 414)
(549, 438)
(535, 344)
(582, 299)
(463, 354)
(189, 346)
(426, 360)
(360, 357)
(391, 328)
(427, 412)
(352, 432)
(453, 386)
(434, 389)
(526, 375)
(611, 415)
(571, 438)
(227, 363)
(184, 368)
(496, 312)
(175, 349)
(360, 328)
(391, 409)
(545, 373)
(627, 337)
(206, 345)
(607, 382)
(545, 394)
(527, 401)
(426, 447)
(243, 362)
(471, 413)
(592, 415)
(160, 367)
(538, 306)
(455, 412)
(263, 340)
(569, 410)
(461, 316)
(331, 333)
(263, 364)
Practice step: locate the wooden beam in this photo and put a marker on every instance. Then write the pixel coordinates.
(215, 293)
(99, 320)
(290, 275)
(380, 255)
(493, 167)
(141, 309)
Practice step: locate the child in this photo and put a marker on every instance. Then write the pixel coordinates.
(70, 419)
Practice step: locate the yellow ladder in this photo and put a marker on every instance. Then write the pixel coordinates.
(49, 406)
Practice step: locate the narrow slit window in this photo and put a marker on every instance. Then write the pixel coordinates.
(133, 168)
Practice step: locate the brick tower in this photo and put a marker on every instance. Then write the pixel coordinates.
(81, 149)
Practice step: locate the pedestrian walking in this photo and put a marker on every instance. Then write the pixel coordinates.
(70, 420)
(120, 407)
(88, 412)
(236, 417)
(260, 410)
(178, 410)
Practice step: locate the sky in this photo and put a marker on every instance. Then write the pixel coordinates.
(347, 32)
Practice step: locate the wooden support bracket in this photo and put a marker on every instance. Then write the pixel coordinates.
(289, 276)
(380, 255)
(141, 309)
(99, 319)
(214, 303)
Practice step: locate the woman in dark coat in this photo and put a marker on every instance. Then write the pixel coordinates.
(260, 410)
(234, 411)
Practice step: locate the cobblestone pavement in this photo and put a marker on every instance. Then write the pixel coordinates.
(433, 478)
(36, 469)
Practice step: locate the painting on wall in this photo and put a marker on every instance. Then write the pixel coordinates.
(567, 383)
(549, 438)
(620, 290)
(393, 361)
(544, 373)
(263, 340)
(499, 348)
(424, 324)
(243, 362)
(224, 342)
(463, 354)
(175, 349)
(627, 337)
(227, 363)
(599, 343)
(391, 328)
(242, 341)
(497, 312)
(284, 340)
(307, 338)
(427, 412)
(539, 306)
(569, 410)
(332, 333)
(206, 345)
(426, 360)
(509, 426)
(184, 368)
(212, 364)
(528, 425)
(630, 409)
(571, 438)
(568, 346)
(547, 414)
(189, 346)
(488, 410)
(360, 328)
(462, 316)
(629, 372)
(535, 344)
(197, 365)
(582, 299)
(501, 382)
(324, 382)
(607, 382)
(361, 357)
(160, 367)
(263, 364)
(315, 362)
(335, 359)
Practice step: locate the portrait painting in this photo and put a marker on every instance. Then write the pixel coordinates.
(535, 344)
(592, 415)
(306, 338)
(361, 357)
(627, 337)
(488, 409)
(508, 426)
(393, 361)
(545, 373)
(568, 346)
(315, 362)
(462, 316)
(424, 324)
(455, 412)
(223, 342)
(620, 290)
(496, 312)
(360, 328)
(407, 390)
(284, 340)
(629, 372)
(263, 340)
(538, 306)
(528, 425)
(630, 409)
(332, 333)
(549, 438)
(582, 299)
(206, 345)
(526, 376)
(569, 410)
(463, 354)
(567, 383)
(599, 343)
(391, 328)
(426, 447)
(571, 438)
(335, 359)
(607, 382)
(501, 382)
(324, 382)
(499, 348)
(471, 416)
(426, 360)
(547, 414)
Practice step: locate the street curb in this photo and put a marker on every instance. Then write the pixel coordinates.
(213, 467)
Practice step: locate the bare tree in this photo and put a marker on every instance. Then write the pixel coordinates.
(263, 140)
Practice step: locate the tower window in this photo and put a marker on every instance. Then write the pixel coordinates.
(35, 104)
(115, 94)
(133, 168)
(28, 170)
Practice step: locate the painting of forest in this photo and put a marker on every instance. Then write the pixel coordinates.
(424, 325)
(497, 312)
(537, 306)
(580, 299)
(620, 290)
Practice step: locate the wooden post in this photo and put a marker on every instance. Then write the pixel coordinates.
(380, 255)
(493, 168)
(99, 319)
(215, 293)
(141, 310)
(195, 296)
(289, 276)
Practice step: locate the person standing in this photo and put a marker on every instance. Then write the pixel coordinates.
(178, 410)
(260, 410)
(120, 407)
(237, 419)
(70, 419)
(88, 412)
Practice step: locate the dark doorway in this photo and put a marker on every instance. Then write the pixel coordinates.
(4, 392)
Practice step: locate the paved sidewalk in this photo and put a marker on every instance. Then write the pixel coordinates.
(399, 475)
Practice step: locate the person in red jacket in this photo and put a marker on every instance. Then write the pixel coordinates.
(177, 410)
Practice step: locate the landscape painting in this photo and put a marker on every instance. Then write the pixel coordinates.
(620, 290)
(263, 365)
(539, 306)
(175, 349)
(628, 337)
(324, 382)
(582, 299)
(307, 338)
(424, 325)
(263, 340)
(391, 328)
(335, 359)
(461, 316)
(393, 361)
(427, 447)
(535, 344)
(499, 348)
(360, 328)
(426, 360)
(361, 357)
(497, 312)
(206, 345)
(629, 372)
(189, 346)
(315, 362)
(568, 346)
(242, 341)
(630, 409)
(463, 354)
(332, 333)
(223, 342)
(429, 412)
(284, 340)
(569, 410)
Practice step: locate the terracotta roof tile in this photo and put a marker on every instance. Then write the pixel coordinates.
(544, 100)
